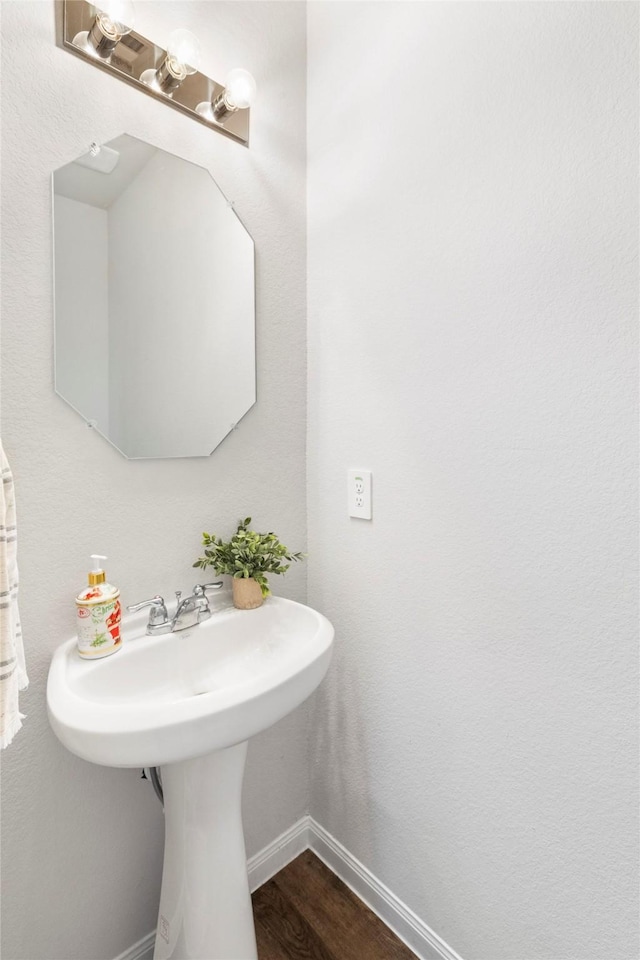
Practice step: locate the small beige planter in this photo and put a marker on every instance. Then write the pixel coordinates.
(247, 594)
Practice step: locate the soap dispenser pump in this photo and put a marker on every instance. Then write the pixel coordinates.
(98, 614)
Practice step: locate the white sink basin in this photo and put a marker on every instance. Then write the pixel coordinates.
(172, 697)
(188, 702)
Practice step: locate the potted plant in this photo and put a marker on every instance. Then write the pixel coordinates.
(248, 557)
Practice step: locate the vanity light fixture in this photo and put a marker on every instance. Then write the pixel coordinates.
(101, 33)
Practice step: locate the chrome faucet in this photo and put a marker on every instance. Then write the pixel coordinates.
(189, 612)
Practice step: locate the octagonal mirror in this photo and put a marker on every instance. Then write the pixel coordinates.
(154, 301)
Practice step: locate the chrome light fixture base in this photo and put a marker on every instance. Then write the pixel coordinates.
(132, 56)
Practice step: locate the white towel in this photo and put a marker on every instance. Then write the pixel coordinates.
(13, 674)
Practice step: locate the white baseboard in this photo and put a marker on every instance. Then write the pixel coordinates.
(142, 950)
(307, 834)
(278, 854)
(413, 931)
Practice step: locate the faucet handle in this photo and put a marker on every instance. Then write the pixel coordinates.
(158, 612)
(202, 600)
(134, 607)
(200, 588)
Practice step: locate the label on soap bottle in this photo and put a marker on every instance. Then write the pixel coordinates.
(98, 618)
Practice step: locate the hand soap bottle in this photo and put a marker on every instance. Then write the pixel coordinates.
(99, 615)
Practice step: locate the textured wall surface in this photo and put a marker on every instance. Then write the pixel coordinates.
(81, 844)
(472, 301)
(472, 208)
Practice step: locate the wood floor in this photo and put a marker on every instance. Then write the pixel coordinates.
(306, 913)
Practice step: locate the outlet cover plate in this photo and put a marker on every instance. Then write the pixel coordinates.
(359, 494)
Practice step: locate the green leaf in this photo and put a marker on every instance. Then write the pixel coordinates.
(247, 554)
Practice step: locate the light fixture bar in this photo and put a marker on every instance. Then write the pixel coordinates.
(133, 55)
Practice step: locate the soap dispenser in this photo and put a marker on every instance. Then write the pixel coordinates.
(99, 615)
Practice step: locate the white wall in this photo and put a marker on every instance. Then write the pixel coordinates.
(472, 290)
(81, 844)
(472, 206)
(82, 308)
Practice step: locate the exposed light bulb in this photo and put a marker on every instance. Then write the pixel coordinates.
(239, 89)
(238, 94)
(183, 48)
(182, 60)
(114, 19)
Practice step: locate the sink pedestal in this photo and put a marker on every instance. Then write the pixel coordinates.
(205, 905)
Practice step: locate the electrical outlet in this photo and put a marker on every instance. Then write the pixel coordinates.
(359, 493)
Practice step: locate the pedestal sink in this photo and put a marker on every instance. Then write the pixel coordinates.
(188, 702)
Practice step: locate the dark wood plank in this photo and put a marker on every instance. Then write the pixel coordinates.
(280, 923)
(306, 907)
(341, 919)
(268, 947)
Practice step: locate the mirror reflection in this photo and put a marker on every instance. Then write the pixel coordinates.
(154, 301)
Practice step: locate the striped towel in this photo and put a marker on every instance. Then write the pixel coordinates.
(13, 675)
